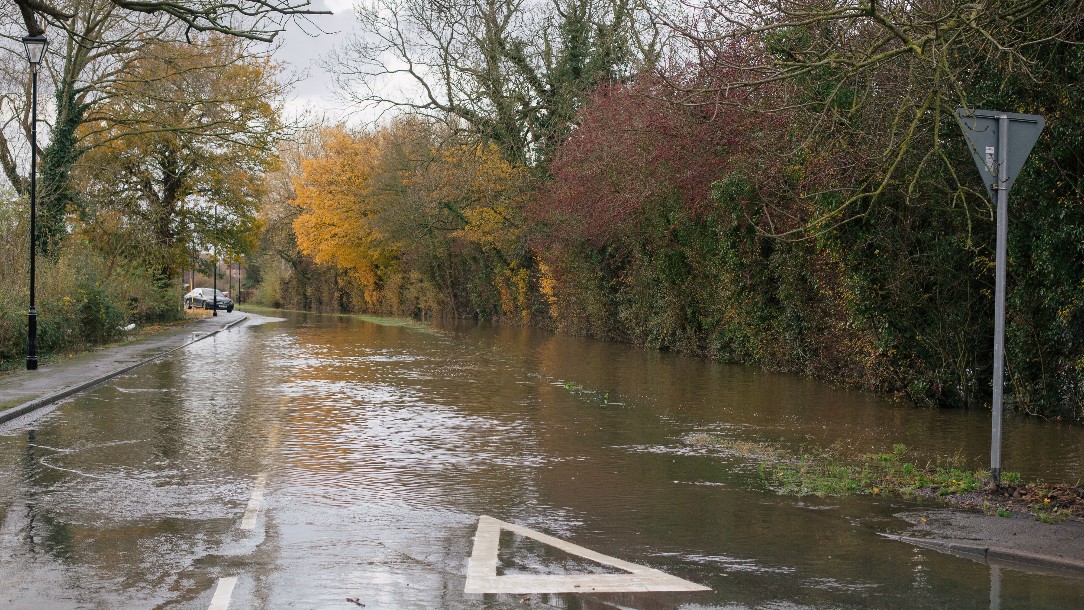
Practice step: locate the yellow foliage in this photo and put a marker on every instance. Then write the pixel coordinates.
(334, 193)
(380, 204)
(547, 286)
(488, 191)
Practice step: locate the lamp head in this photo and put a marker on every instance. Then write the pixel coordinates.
(35, 48)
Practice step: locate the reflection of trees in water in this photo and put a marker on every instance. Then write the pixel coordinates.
(44, 530)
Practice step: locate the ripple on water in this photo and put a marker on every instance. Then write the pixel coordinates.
(735, 564)
(372, 441)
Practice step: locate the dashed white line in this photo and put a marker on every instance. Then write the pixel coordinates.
(223, 593)
(248, 521)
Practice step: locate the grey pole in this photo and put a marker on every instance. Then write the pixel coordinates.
(987, 133)
(999, 294)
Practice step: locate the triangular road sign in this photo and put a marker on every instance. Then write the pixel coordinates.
(482, 569)
(982, 129)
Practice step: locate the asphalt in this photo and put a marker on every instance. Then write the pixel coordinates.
(23, 392)
(1018, 542)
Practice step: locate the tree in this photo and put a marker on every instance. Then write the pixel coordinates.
(514, 72)
(252, 19)
(885, 77)
(667, 150)
(88, 61)
(98, 38)
(418, 220)
(877, 83)
(194, 128)
(334, 192)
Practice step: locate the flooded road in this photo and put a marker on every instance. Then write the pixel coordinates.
(300, 463)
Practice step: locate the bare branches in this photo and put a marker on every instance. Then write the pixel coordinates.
(258, 20)
(514, 70)
(879, 75)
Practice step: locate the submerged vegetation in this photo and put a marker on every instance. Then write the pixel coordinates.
(835, 471)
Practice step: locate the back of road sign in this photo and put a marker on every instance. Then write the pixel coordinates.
(981, 128)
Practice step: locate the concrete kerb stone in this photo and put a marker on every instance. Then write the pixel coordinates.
(44, 401)
(1035, 559)
(996, 554)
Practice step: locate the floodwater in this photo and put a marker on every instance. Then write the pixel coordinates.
(320, 458)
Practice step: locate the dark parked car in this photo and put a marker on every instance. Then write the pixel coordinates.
(205, 298)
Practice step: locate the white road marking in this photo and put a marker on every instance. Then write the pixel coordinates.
(223, 593)
(255, 502)
(482, 569)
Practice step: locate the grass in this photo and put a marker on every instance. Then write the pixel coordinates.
(142, 331)
(599, 396)
(834, 471)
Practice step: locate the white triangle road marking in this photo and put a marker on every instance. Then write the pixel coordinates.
(482, 569)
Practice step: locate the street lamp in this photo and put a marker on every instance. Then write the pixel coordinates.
(35, 51)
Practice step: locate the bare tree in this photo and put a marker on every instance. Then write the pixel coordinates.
(253, 19)
(515, 71)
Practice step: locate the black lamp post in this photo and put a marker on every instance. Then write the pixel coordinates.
(35, 51)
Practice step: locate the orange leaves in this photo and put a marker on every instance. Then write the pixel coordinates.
(413, 200)
(370, 199)
(334, 192)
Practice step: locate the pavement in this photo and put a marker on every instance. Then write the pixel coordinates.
(1020, 541)
(23, 391)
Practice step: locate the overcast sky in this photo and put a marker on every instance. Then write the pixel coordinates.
(303, 53)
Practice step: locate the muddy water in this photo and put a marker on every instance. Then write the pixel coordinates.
(375, 446)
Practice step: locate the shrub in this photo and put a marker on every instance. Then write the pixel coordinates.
(99, 313)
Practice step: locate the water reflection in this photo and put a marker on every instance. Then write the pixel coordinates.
(381, 445)
(42, 531)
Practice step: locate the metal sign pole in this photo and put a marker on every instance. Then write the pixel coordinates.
(999, 295)
(999, 156)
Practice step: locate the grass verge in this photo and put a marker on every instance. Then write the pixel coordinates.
(834, 471)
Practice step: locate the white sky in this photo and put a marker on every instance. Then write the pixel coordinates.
(314, 95)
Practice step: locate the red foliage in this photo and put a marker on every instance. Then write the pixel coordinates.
(635, 146)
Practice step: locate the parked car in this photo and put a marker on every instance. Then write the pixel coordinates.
(206, 298)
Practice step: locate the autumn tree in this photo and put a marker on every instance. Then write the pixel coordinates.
(83, 64)
(193, 129)
(97, 39)
(334, 192)
(464, 220)
(420, 219)
(877, 84)
(288, 277)
(883, 77)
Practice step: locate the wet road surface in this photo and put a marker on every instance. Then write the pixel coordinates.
(300, 463)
